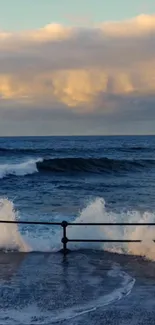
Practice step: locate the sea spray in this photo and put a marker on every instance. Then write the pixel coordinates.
(10, 237)
(95, 211)
(20, 169)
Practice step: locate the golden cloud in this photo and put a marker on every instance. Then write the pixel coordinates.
(138, 26)
(75, 66)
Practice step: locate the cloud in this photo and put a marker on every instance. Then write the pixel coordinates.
(100, 70)
(138, 26)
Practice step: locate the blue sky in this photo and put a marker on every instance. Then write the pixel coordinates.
(29, 14)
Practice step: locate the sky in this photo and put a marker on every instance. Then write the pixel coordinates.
(30, 14)
(73, 67)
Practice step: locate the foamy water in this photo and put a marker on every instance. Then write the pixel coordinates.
(96, 212)
(19, 169)
(12, 239)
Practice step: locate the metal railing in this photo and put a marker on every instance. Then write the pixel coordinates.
(65, 224)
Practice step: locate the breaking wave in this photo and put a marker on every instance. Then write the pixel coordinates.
(10, 236)
(71, 165)
(96, 212)
(12, 239)
(94, 165)
(21, 169)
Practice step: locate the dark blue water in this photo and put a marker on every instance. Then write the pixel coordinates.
(91, 179)
(75, 170)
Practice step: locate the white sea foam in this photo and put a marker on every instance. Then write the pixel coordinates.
(20, 169)
(12, 239)
(96, 212)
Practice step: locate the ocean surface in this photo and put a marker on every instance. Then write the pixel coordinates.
(82, 179)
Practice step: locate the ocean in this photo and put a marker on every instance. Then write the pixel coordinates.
(77, 179)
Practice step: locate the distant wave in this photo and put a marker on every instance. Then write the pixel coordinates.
(127, 149)
(91, 165)
(22, 150)
(5, 150)
(74, 165)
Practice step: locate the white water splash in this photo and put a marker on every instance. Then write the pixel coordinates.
(96, 212)
(11, 238)
(20, 169)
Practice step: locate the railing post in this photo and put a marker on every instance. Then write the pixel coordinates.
(64, 239)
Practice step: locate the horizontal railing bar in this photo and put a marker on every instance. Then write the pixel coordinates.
(105, 240)
(64, 225)
(76, 224)
(111, 224)
(31, 222)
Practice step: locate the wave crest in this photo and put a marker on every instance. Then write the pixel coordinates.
(20, 169)
(93, 165)
(72, 165)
